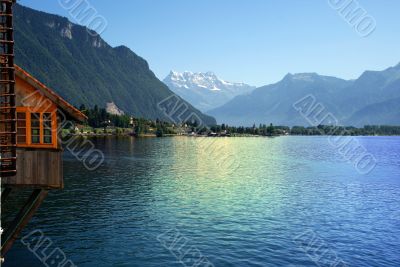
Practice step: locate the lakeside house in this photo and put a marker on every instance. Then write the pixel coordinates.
(40, 115)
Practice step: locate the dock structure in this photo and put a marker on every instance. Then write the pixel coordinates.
(31, 117)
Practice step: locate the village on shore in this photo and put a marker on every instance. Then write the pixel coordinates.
(102, 123)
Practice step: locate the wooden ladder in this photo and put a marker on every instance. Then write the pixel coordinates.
(8, 121)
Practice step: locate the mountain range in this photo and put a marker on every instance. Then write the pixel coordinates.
(205, 91)
(373, 98)
(81, 67)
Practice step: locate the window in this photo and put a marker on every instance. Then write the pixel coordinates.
(47, 130)
(36, 129)
(21, 128)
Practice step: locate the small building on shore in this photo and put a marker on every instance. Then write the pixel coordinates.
(40, 115)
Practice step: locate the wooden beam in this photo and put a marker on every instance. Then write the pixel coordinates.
(5, 193)
(22, 219)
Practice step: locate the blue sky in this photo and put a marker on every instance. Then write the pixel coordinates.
(252, 41)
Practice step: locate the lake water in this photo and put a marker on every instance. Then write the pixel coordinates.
(287, 201)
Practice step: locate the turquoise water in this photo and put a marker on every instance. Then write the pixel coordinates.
(230, 201)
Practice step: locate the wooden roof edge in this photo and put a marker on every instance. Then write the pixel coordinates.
(53, 96)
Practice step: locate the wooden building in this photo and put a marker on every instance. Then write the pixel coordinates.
(40, 116)
(31, 119)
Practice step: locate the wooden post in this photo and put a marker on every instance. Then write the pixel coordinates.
(5, 193)
(22, 219)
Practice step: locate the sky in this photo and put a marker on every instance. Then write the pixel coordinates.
(253, 41)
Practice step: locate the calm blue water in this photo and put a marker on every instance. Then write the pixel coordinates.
(287, 201)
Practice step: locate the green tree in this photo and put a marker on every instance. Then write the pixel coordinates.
(270, 130)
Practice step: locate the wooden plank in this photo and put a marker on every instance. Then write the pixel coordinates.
(37, 168)
(22, 219)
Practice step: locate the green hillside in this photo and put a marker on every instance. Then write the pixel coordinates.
(84, 69)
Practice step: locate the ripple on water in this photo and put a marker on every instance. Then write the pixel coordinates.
(250, 215)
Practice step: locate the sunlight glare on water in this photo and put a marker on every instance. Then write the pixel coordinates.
(239, 201)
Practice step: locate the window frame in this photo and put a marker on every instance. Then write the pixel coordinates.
(28, 112)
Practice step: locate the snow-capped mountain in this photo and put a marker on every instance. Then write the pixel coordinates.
(205, 91)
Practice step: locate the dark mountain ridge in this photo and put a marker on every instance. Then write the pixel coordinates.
(81, 67)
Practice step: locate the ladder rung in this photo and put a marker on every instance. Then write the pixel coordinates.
(8, 171)
(8, 159)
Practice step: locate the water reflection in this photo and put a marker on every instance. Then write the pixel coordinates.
(244, 216)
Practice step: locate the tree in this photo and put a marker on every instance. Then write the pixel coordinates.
(159, 131)
(270, 130)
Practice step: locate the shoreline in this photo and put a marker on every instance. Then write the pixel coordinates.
(232, 136)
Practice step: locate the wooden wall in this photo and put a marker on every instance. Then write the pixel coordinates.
(37, 168)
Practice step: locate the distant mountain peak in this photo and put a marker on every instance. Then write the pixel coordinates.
(204, 89)
(60, 25)
(206, 80)
(370, 99)
(203, 79)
